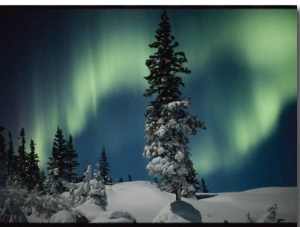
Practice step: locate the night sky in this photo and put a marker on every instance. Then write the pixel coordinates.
(83, 69)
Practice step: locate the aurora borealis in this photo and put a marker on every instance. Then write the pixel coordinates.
(82, 68)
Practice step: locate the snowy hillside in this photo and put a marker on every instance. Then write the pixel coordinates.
(144, 202)
(140, 196)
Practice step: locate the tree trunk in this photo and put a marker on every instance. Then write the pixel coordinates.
(178, 192)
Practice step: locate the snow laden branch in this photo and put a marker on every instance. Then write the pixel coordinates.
(174, 126)
(167, 143)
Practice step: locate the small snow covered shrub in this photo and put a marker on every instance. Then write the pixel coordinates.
(78, 192)
(268, 217)
(97, 193)
(250, 219)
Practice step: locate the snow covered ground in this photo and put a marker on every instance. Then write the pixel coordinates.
(146, 203)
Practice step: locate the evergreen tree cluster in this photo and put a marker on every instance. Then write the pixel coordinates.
(19, 170)
(62, 162)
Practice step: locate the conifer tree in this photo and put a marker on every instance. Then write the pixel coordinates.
(21, 162)
(71, 162)
(56, 165)
(40, 183)
(192, 177)
(3, 158)
(33, 170)
(104, 166)
(203, 186)
(168, 125)
(56, 161)
(42, 175)
(10, 156)
(97, 193)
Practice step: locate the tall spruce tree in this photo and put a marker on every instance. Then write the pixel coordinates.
(3, 158)
(56, 164)
(203, 186)
(21, 162)
(168, 125)
(10, 156)
(33, 177)
(71, 162)
(104, 166)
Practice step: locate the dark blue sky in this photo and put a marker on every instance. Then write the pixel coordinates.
(83, 69)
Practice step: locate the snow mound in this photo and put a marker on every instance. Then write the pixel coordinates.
(121, 214)
(115, 216)
(142, 199)
(178, 211)
(63, 216)
(94, 213)
(89, 211)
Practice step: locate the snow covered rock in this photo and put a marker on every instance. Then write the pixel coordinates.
(63, 216)
(89, 211)
(122, 214)
(114, 217)
(178, 211)
(96, 214)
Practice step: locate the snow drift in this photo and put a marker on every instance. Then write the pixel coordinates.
(143, 202)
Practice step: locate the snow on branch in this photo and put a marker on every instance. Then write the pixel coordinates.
(177, 104)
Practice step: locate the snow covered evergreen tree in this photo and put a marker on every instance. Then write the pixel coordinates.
(97, 194)
(57, 160)
(82, 192)
(56, 165)
(3, 158)
(33, 176)
(168, 125)
(104, 166)
(71, 162)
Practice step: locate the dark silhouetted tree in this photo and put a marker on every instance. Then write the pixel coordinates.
(168, 125)
(3, 158)
(203, 186)
(33, 176)
(21, 163)
(104, 166)
(129, 177)
(71, 161)
(40, 185)
(10, 157)
(56, 164)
